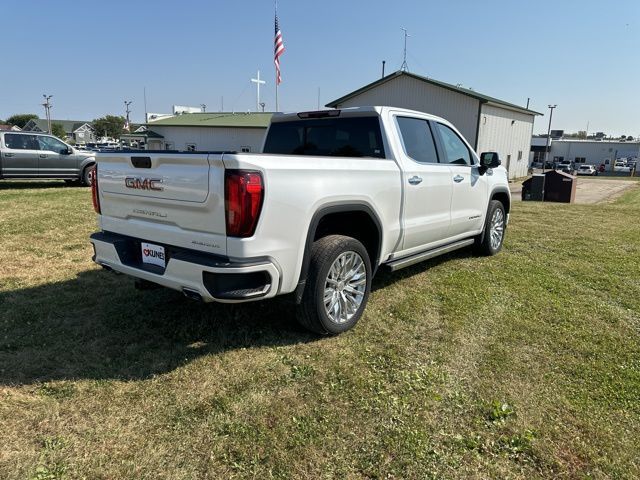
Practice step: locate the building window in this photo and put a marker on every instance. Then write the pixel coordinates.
(245, 149)
(581, 160)
(519, 154)
(191, 147)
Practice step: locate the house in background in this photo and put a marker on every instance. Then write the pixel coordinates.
(139, 138)
(489, 124)
(78, 132)
(9, 128)
(240, 132)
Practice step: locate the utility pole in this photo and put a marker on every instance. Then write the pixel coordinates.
(404, 66)
(146, 115)
(258, 82)
(546, 150)
(126, 106)
(47, 108)
(203, 106)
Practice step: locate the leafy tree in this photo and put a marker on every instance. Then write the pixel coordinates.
(109, 125)
(21, 119)
(58, 130)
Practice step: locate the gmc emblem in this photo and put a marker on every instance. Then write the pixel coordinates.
(143, 183)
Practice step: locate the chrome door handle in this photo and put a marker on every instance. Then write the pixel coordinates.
(415, 180)
(458, 178)
(43, 156)
(9, 154)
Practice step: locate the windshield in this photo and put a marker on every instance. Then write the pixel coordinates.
(340, 137)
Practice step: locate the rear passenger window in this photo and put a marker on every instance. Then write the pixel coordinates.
(417, 139)
(455, 149)
(21, 142)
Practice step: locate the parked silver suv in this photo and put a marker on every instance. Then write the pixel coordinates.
(38, 156)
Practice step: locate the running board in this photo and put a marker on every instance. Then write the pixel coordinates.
(421, 257)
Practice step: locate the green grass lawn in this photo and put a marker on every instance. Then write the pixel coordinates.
(522, 365)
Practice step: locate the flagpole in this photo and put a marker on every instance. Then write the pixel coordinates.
(276, 16)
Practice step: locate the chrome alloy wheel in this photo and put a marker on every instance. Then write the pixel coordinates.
(344, 287)
(497, 229)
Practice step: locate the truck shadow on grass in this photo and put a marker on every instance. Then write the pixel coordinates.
(98, 327)
(385, 278)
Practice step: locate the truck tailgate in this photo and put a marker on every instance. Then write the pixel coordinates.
(172, 198)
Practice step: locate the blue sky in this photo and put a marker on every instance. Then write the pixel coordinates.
(92, 55)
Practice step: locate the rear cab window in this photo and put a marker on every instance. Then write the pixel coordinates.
(339, 137)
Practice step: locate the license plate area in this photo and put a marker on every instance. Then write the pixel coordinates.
(152, 254)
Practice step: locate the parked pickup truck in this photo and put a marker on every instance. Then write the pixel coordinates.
(34, 155)
(334, 196)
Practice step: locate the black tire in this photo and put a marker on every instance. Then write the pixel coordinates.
(484, 244)
(87, 176)
(311, 313)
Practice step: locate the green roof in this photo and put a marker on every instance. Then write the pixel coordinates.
(246, 120)
(464, 91)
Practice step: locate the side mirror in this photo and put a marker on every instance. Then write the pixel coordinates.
(66, 151)
(489, 160)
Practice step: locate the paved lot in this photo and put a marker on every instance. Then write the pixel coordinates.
(589, 190)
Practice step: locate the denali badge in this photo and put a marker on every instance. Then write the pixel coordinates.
(143, 183)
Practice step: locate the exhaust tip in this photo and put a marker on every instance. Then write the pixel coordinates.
(192, 294)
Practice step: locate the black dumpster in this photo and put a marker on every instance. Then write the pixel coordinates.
(533, 188)
(560, 187)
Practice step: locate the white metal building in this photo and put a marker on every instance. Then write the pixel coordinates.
(592, 152)
(242, 132)
(488, 123)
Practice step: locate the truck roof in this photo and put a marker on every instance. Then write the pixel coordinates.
(348, 112)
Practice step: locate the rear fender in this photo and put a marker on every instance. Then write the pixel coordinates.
(313, 227)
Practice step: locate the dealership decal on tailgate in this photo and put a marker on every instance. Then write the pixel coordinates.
(153, 254)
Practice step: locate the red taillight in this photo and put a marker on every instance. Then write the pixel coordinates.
(243, 192)
(94, 188)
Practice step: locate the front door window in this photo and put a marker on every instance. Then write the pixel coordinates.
(51, 144)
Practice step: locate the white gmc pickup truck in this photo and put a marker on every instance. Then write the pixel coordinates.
(334, 196)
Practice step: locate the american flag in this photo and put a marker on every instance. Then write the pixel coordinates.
(278, 49)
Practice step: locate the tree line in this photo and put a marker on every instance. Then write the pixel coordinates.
(108, 126)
